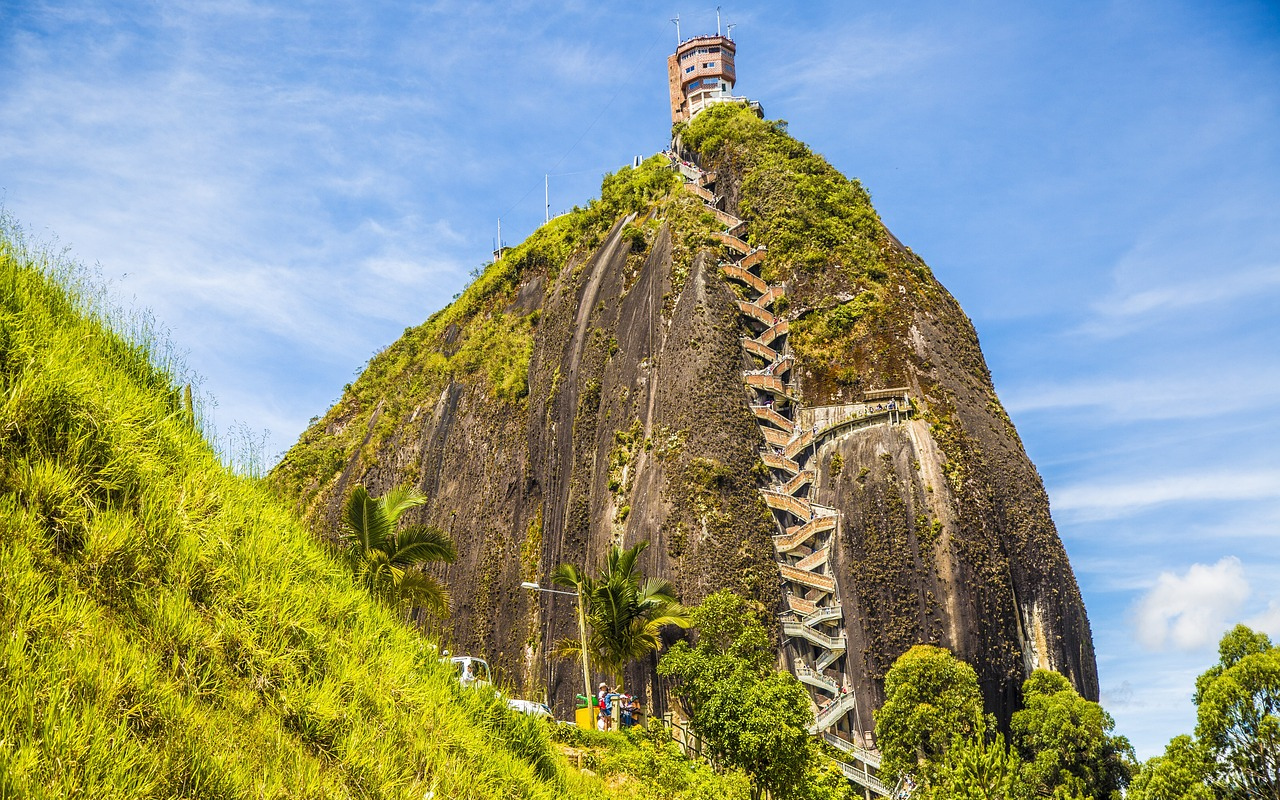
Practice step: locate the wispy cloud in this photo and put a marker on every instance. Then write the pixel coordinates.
(1217, 290)
(1114, 498)
(1268, 620)
(1188, 395)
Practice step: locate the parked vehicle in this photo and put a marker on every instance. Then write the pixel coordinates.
(472, 671)
(530, 707)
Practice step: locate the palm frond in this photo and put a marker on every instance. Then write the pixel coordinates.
(365, 523)
(569, 575)
(418, 589)
(399, 500)
(566, 649)
(421, 544)
(656, 589)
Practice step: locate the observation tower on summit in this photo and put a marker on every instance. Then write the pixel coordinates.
(701, 73)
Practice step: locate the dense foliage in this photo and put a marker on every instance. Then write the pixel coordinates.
(1238, 715)
(931, 730)
(1066, 742)
(752, 717)
(169, 629)
(930, 698)
(1235, 752)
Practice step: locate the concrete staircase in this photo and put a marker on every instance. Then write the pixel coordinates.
(803, 548)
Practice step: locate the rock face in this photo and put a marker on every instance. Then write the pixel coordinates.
(590, 388)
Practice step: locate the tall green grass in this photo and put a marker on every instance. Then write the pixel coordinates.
(167, 629)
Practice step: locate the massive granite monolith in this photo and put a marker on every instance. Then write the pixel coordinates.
(641, 370)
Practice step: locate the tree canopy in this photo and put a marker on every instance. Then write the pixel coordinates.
(752, 716)
(930, 697)
(932, 729)
(1238, 715)
(1065, 741)
(625, 612)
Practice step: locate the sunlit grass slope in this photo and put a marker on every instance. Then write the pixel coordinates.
(167, 629)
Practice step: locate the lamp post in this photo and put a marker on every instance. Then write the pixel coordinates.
(582, 631)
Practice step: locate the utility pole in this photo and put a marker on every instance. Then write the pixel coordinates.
(582, 633)
(546, 188)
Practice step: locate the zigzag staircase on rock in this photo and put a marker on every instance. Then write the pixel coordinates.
(813, 619)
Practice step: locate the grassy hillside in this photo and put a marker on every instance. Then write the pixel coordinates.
(168, 630)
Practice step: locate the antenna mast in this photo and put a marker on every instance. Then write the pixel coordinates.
(546, 188)
(729, 30)
(677, 22)
(717, 20)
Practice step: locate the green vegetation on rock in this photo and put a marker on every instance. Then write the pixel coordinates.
(824, 239)
(484, 337)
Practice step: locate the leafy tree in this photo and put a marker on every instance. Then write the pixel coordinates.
(1182, 773)
(1238, 715)
(931, 697)
(625, 612)
(750, 715)
(978, 767)
(1066, 741)
(386, 561)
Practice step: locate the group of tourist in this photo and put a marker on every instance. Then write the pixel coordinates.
(628, 709)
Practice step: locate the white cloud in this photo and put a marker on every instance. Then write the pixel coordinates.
(1190, 611)
(1115, 498)
(1120, 696)
(1268, 620)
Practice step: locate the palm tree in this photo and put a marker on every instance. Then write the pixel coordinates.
(386, 561)
(626, 613)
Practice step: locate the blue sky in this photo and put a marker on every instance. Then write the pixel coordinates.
(1097, 183)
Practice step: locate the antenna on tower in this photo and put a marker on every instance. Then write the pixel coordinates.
(677, 22)
(717, 20)
(729, 30)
